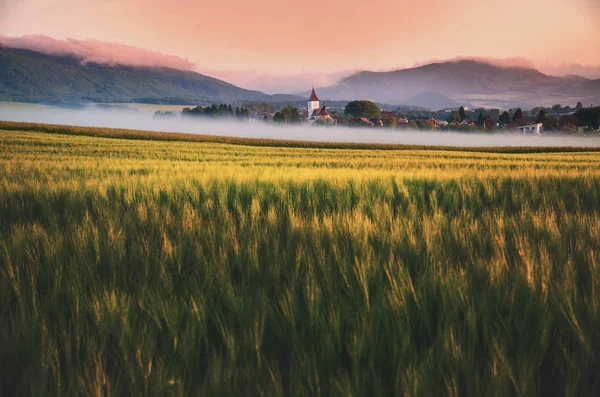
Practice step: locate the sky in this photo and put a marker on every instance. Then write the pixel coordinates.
(320, 39)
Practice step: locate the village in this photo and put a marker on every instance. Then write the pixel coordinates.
(536, 121)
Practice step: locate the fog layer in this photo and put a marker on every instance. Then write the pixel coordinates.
(94, 116)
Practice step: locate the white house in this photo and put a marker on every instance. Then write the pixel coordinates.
(535, 128)
(315, 112)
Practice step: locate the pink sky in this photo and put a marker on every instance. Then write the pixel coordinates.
(300, 38)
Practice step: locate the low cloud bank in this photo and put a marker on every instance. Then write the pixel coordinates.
(95, 51)
(144, 120)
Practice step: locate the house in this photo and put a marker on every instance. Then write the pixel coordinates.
(535, 128)
(437, 124)
(361, 122)
(314, 111)
(377, 122)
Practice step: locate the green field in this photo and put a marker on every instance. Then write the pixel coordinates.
(146, 266)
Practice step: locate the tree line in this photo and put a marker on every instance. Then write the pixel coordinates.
(215, 111)
(362, 112)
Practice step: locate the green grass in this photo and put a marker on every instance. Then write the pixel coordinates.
(141, 267)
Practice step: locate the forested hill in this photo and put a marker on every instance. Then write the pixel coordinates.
(439, 85)
(31, 76)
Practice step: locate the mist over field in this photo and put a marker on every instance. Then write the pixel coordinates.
(143, 119)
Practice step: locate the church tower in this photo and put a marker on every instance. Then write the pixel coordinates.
(313, 103)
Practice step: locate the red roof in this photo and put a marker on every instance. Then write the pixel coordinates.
(363, 120)
(313, 97)
(324, 112)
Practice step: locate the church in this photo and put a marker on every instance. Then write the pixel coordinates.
(316, 113)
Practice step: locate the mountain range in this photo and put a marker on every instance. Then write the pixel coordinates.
(26, 75)
(444, 84)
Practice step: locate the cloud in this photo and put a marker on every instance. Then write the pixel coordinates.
(95, 51)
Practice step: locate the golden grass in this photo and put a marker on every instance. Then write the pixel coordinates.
(138, 267)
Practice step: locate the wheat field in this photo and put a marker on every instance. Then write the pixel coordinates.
(178, 267)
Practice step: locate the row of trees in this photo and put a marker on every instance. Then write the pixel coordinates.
(222, 110)
(555, 118)
(589, 117)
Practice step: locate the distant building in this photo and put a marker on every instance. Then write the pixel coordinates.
(438, 124)
(361, 121)
(315, 112)
(531, 128)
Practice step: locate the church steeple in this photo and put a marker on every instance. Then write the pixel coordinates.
(313, 103)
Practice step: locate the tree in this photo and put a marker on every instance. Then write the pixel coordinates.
(494, 113)
(504, 118)
(541, 117)
(551, 122)
(288, 115)
(489, 122)
(568, 122)
(588, 117)
(454, 116)
(579, 106)
(426, 124)
(366, 109)
(518, 115)
(463, 113)
(390, 122)
(340, 118)
(481, 117)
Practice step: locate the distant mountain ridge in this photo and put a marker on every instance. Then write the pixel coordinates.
(32, 76)
(463, 81)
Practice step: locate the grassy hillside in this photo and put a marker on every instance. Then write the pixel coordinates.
(31, 76)
(141, 267)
